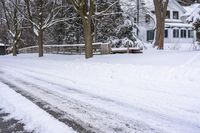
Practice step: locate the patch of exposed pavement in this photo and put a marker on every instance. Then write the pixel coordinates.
(10, 125)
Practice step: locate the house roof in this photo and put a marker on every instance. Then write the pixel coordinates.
(190, 9)
(193, 13)
(179, 5)
(149, 4)
(181, 25)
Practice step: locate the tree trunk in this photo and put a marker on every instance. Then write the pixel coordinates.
(15, 44)
(161, 36)
(160, 12)
(14, 50)
(16, 37)
(88, 37)
(41, 31)
(86, 10)
(40, 43)
(157, 34)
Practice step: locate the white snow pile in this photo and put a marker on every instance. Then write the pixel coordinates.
(31, 115)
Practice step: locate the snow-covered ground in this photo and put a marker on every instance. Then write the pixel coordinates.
(34, 118)
(157, 91)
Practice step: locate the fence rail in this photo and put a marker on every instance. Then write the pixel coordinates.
(98, 48)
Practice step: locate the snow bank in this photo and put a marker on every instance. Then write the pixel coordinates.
(34, 118)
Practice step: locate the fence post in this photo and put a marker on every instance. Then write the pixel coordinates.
(105, 48)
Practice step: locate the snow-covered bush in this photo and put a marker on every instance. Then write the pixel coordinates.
(120, 43)
(125, 36)
(126, 42)
(196, 46)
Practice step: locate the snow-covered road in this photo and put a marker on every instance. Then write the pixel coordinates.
(77, 105)
(126, 93)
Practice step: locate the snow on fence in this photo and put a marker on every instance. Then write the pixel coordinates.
(98, 48)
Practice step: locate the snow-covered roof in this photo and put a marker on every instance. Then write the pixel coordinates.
(1, 44)
(181, 25)
(193, 13)
(180, 6)
(173, 20)
(190, 9)
(149, 4)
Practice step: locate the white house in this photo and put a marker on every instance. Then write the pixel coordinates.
(177, 31)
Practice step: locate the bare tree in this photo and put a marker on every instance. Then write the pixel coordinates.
(45, 16)
(86, 9)
(14, 22)
(160, 12)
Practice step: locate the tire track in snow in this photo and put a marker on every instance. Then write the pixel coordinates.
(155, 114)
(56, 113)
(114, 121)
(111, 102)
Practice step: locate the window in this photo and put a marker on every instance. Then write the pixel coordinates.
(175, 15)
(190, 33)
(176, 33)
(166, 33)
(168, 15)
(183, 33)
(150, 35)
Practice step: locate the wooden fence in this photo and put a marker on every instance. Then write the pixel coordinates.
(98, 48)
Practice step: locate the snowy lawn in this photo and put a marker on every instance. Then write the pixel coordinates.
(158, 88)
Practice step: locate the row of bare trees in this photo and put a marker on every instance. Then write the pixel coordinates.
(19, 16)
(33, 19)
